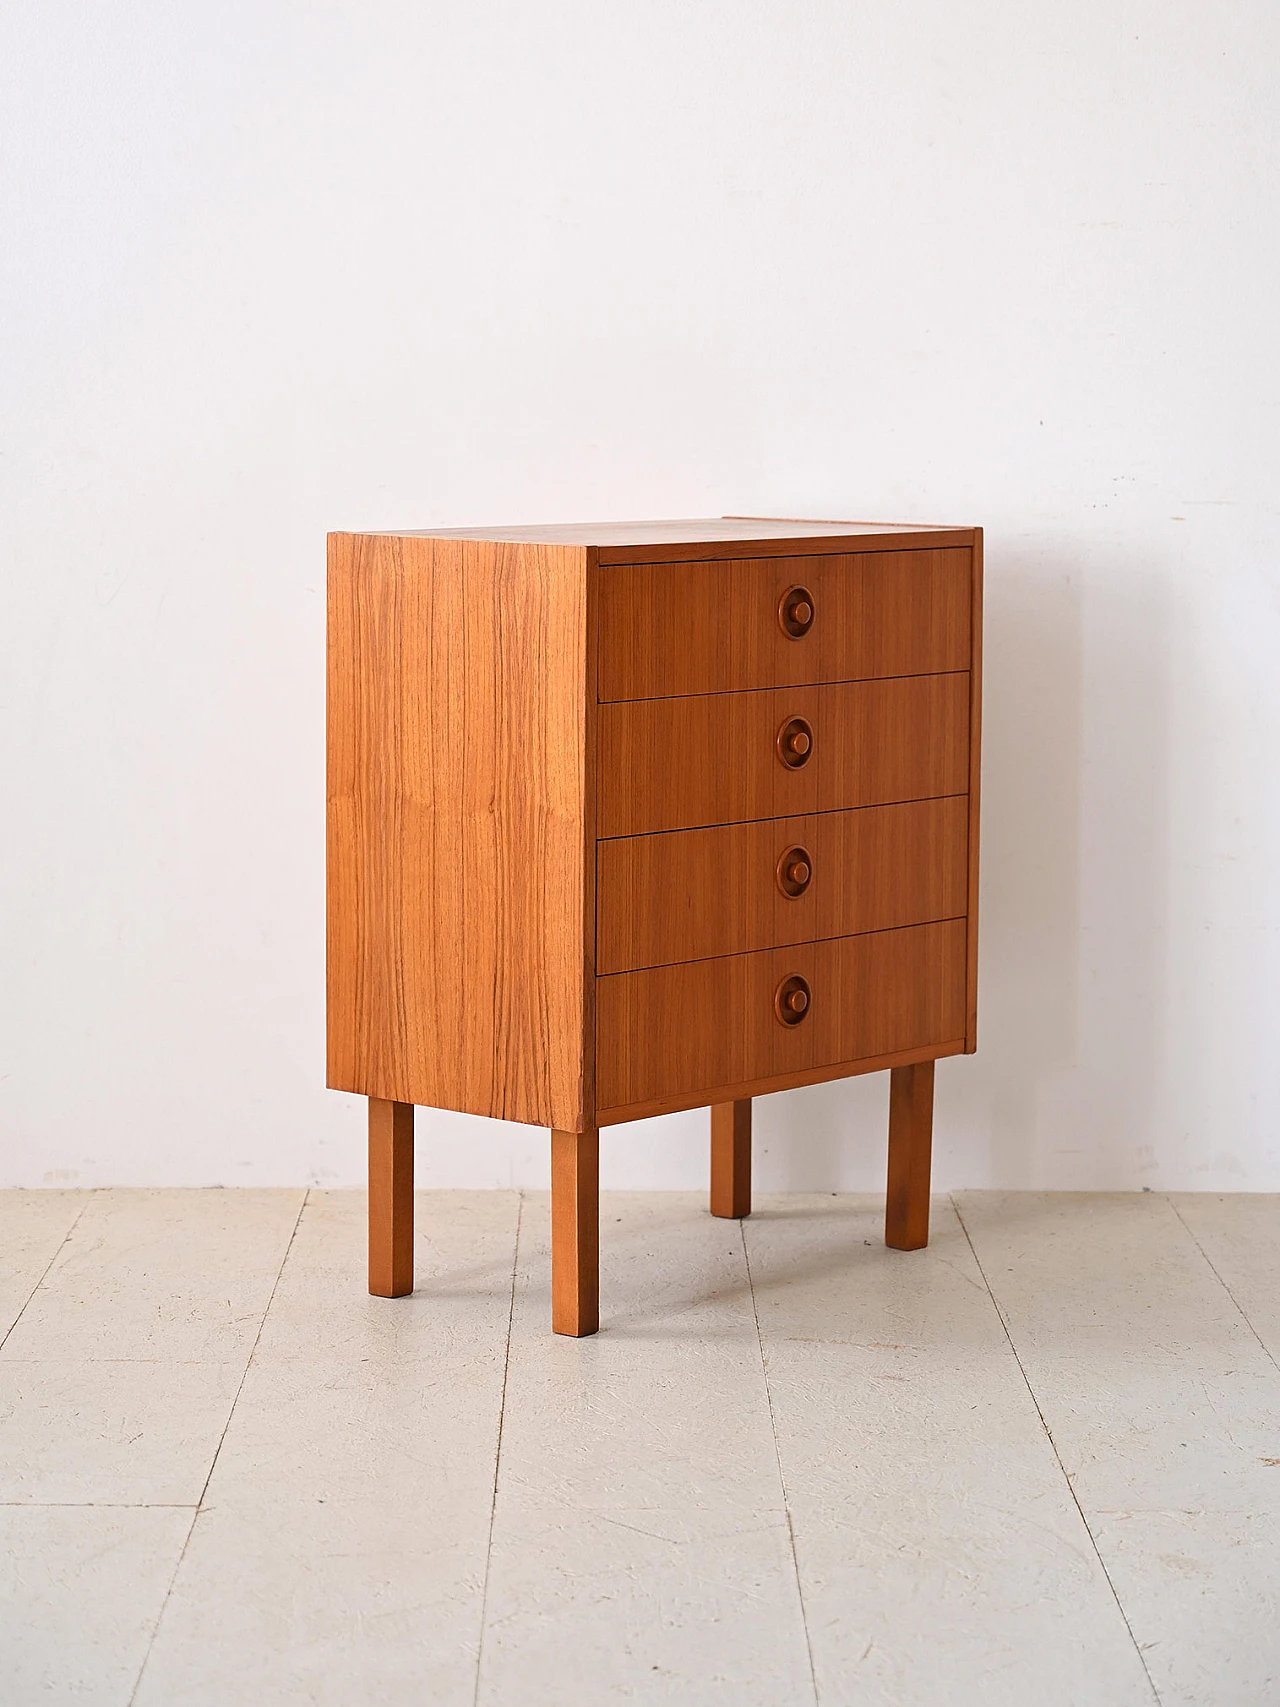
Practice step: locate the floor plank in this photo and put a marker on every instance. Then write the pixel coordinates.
(1165, 1410)
(90, 1432)
(640, 1546)
(81, 1588)
(1202, 1590)
(165, 1275)
(1239, 1234)
(33, 1225)
(349, 1549)
(941, 1556)
(340, 1554)
(117, 1380)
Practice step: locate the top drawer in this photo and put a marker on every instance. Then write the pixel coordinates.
(760, 622)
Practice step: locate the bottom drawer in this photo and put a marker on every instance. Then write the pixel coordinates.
(672, 1033)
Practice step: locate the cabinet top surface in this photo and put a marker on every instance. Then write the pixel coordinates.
(711, 530)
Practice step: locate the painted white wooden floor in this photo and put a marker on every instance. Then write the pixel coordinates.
(1036, 1463)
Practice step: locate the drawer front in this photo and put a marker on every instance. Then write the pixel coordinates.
(678, 628)
(671, 764)
(679, 1031)
(693, 894)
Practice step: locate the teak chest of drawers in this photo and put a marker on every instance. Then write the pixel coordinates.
(627, 819)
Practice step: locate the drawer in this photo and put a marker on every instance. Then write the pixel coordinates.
(670, 764)
(678, 628)
(680, 1033)
(692, 894)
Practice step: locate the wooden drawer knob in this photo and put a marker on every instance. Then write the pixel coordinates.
(795, 869)
(795, 743)
(792, 999)
(795, 612)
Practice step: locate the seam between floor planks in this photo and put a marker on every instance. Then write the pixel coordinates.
(195, 1516)
(1102, 1563)
(1244, 1314)
(777, 1452)
(497, 1454)
(44, 1272)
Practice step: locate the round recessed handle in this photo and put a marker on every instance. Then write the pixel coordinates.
(795, 742)
(795, 612)
(795, 872)
(792, 1000)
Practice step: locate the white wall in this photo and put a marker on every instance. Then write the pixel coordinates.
(271, 269)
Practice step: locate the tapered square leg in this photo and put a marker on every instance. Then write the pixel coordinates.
(731, 1158)
(906, 1214)
(575, 1232)
(390, 1198)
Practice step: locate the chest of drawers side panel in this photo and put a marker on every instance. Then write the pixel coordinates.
(459, 813)
(975, 768)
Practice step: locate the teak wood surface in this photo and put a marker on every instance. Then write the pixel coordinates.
(731, 1158)
(712, 627)
(716, 536)
(390, 1198)
(672, 764)
(748, 1088)
(906, 1219)
(557, 800)
(461, 899)
(702, 1026)
(691, 894)
(575, 1232)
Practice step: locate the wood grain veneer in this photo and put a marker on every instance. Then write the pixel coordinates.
(563, 764)
(713, 627)
(745, 1089)
(717, 536)
(709, 1024)
(731, 1159)
(575, 1232)
(460, 888)
(691, 894)
(670, 764)
(906, 1220)
(390, 1198)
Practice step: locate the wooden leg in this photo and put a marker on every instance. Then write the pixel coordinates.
(575, 1232)
(731, 1158)
(390, 1198)
(906, 1214)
